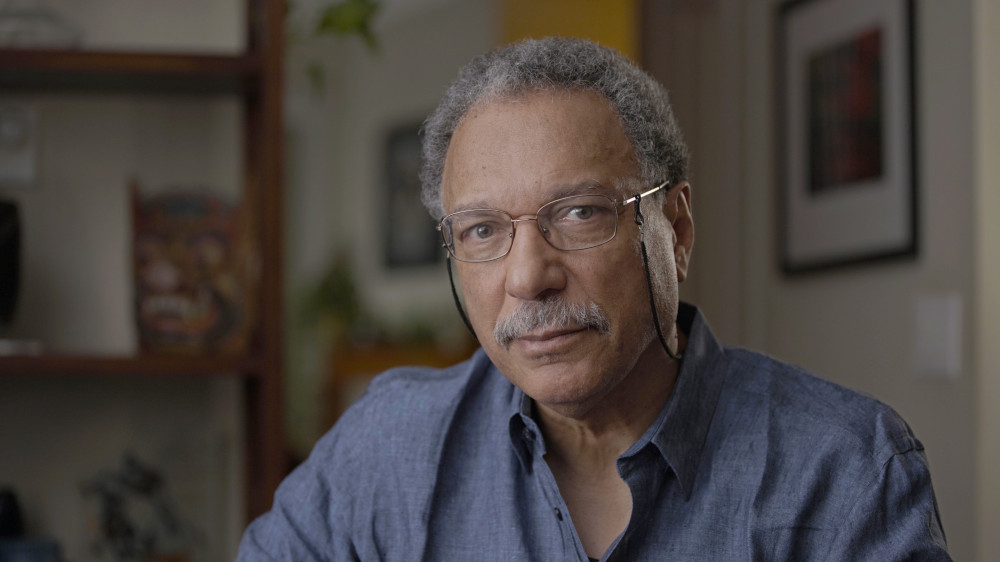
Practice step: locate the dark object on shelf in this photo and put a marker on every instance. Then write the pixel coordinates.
(35, 550)
(10, 258)
(14, 548)
(11, 523)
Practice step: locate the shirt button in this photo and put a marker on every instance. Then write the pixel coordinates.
(558, 514)
(528, 434)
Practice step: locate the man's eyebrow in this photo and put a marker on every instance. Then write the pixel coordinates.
(472, 205)
(581, 188)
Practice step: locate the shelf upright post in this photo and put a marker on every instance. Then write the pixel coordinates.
(263, 161)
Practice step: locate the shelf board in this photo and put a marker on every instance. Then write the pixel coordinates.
(154, 365)
(30, 69)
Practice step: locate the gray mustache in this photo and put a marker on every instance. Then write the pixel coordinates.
(553, 313)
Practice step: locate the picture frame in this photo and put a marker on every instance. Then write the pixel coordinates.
(409, 239)
(847, 133)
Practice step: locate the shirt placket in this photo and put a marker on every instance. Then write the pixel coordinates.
(569, 543)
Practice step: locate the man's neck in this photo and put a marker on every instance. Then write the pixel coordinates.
(581, 449)
(593, 438)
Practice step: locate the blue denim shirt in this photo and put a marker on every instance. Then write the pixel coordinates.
(750, 459)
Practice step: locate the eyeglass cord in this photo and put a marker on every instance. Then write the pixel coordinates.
(458, 303)
(639, 220)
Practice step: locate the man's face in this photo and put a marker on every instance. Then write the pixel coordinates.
(517, 155)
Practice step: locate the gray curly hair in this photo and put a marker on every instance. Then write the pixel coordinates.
(558, 63)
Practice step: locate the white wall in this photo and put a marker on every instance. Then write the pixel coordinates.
(367, 95)
(216, 26)
(854, 326)
(986, 245)
(335, 141)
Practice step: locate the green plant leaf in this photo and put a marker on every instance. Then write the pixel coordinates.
(349, 17)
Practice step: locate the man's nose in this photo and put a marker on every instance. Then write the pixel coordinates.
(533, 267)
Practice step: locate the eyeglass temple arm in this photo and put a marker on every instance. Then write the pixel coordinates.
(641, 195)
(676, 356)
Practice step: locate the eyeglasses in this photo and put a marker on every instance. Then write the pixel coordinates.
(577, 222)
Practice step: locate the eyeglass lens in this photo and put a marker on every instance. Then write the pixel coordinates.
(571, 223)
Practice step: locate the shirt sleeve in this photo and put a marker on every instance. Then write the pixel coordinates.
(361, 493)
(894, 518)
(305, 524)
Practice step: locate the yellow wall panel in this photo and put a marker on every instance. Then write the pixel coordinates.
(609, 22)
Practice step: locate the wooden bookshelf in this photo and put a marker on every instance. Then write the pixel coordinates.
(117, 71)
(158, 365)
(255, 78)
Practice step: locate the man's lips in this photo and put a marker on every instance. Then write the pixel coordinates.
(548, 334)
(548, 341)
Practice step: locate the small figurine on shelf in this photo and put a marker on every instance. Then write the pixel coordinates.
(194, 272)
(137, 520)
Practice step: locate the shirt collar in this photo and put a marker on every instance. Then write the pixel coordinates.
(682, 427)
(524, 432)
(680, 430)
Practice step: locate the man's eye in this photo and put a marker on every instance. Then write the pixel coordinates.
(581, 213)
(479, 232)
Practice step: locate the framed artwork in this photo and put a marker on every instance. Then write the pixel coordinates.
(193, 271)
(408, 236)
(846, 153)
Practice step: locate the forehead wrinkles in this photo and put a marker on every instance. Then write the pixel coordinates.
(536, 141)
(581, 121)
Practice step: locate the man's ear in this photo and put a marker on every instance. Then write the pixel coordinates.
(677, 209)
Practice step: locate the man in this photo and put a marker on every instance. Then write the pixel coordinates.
(601, 418)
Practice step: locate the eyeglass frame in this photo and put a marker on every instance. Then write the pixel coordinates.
(513, 223)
